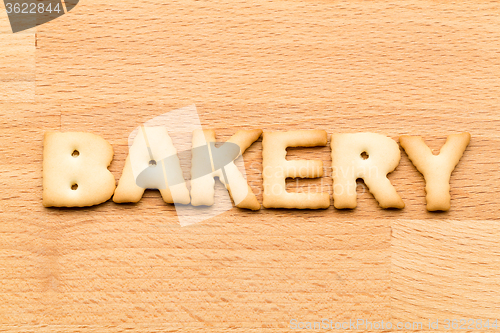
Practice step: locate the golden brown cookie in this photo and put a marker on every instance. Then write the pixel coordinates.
(75, 169)
(436, 169)
(369, 156)
(276, 168)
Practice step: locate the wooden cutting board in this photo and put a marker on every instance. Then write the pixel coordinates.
(412, 67)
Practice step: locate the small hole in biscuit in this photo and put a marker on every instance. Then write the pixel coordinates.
(74, 187)
(152, 163)
(75, 153)
(364, 155)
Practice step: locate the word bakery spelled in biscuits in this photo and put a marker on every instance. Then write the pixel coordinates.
(75, 170)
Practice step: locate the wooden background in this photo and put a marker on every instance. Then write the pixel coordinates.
(410, 67)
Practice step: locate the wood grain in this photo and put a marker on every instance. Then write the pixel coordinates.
(17, 62)
(412, 67)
